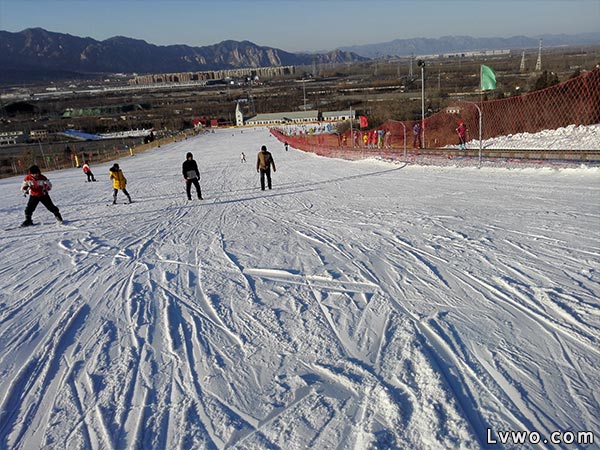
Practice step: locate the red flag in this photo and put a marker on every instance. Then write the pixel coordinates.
(364, 123)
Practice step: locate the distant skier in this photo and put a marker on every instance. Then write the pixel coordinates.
(264, 162)
(462, 135)
(88, 171)
(243, 157)
(37, 186)
(119, 182)
(191, 175)
(286, 146)
(417, 135)
(388, 139)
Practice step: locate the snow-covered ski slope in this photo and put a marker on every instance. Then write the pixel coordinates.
(356, 305)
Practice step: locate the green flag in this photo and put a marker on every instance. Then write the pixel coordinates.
(488, 78)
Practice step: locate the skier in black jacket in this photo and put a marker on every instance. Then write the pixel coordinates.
(191, 175)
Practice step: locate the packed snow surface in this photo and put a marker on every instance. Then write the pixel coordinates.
(355, 305)
(571, 137)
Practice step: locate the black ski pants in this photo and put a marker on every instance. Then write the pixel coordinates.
(188, 187)
(44, 200)
(115, 191)
(265, 173)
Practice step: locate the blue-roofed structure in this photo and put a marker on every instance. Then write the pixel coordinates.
(81, 135)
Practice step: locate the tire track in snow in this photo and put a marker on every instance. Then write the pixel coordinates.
(184, 312)
(103, 434)
(34, 380)
(465, 385)
(354, 259)
(458, 376)
(504, 389)
(544, 321)
(196, 371)
(204, 294)
(263, 425)
(343, 340)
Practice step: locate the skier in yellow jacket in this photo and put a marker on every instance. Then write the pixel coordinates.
(119, 182)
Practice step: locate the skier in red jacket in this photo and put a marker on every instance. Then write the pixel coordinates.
(462, 135)
(88, 171)
(37, 186)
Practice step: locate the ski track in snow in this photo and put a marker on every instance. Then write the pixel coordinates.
(356, 305)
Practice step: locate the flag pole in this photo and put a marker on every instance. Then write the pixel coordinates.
(421, 64)
(480, 84)
(479, 111)
(480, 115)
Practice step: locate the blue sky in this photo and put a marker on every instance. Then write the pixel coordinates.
(299, 25)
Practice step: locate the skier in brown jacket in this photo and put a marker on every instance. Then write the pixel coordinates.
(264, 161)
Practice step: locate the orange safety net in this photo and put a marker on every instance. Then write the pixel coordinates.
(573, 102)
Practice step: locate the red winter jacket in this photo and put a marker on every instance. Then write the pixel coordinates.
(36, 184)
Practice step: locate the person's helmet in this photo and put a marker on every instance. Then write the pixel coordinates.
(34, 170)
(189, 155)
(264, 148)
(115, 166)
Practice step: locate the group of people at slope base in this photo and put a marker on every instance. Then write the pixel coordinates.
(373, 139)
(38, 186)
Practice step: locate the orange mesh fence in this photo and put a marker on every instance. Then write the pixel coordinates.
(573, 102)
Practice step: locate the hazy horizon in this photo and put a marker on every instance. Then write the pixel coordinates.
(299, 26)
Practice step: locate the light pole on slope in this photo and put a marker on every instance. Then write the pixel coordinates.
(421, 64)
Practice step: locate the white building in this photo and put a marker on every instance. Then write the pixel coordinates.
(10, 137)
(338, 116)
(296, 117)
(239, 116)
(38, 135)
(284, 117)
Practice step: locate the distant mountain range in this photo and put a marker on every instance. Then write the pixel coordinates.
(35, 54)
(456, 44)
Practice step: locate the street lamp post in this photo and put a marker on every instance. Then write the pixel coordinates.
(42, 152)
(304, 92)
(403, 126)
(421, 64)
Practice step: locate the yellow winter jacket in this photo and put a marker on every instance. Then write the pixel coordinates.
(118, 179)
